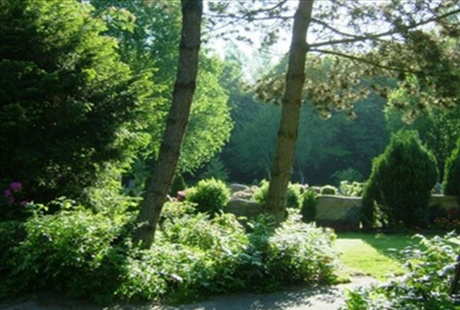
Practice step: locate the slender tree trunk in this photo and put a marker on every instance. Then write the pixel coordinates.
(287, 134)
(184, 88)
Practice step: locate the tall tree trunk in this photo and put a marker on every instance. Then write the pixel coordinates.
(184, 88)
(287, 134)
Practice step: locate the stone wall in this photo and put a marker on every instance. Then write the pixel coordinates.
(336, 211)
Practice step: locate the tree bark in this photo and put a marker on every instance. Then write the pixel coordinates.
(287, 134)
(184, 88)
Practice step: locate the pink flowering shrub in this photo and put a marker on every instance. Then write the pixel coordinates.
(13, 202)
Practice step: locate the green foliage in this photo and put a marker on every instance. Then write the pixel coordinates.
(177, 185)
(401, 182)
(68, 103)
(293, 195)
(81, 253)
(294, 253)
(324, 148)
(148, 33)
(351, 189)
(71, 251)
(348, 174)
(451, 182)
(328, 190)
(13, 202)
(211, 196)
(309, 202)
(438, 128)
(300, 253)
(425, 285)
(369, 210)
(215, 169)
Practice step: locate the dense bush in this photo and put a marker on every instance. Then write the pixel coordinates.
(301, 253)
(426, 284)
(294, 253)
(400, 183)
(71, 251)
(452, 173)
(328, 190)
(310, 200)
(210, 195)
(351, 189)
(13, 202)
(293, 195)
(78, 252)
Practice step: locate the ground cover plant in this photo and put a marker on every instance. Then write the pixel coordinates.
(80, 252)
(426, 283)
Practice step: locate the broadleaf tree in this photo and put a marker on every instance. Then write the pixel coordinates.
(148, 33)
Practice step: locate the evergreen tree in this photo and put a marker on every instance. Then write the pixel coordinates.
(452, 173)
(69, 105)
(401, 182)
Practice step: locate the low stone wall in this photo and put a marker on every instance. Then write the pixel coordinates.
(338, 211)
(335, 211)
(243, 207)
(444, 202)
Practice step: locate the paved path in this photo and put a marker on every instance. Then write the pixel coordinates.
(320, 298)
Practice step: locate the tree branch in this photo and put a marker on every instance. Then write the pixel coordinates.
(363, 60)
(384, 34)
(326, 25)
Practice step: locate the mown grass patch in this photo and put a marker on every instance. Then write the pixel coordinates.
(374, 255)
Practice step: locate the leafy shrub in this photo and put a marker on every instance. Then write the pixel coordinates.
(310, 200)
(221, 239)
(430, 267)
(13, 202)
(301, 253)
(293, 195)
(69, 251)
(294, 253)
(174, 209)
(11, 233)
(328, 190)
(210, 195)
(452, 173)
(89, 254)
(401, 182)
(354, 189)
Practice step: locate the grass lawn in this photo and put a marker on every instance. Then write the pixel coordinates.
(372, 254)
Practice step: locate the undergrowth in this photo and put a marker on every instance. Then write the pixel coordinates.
(80, 252)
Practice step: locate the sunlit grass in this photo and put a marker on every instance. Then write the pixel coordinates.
(372, 254)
